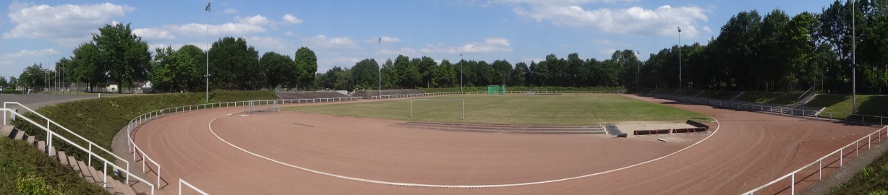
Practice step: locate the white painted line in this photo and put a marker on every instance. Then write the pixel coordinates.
(209, 125)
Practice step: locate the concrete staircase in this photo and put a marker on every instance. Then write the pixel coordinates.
(87, 172)
(807, 99)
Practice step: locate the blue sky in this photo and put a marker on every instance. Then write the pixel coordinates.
(344, 32)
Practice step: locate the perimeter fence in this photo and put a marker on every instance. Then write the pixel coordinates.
(835, 158)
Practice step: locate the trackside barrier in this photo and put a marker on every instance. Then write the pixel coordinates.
(838, 152)
(181, 181)
(52, 135)
(53, 123)
(149, 116)
(780, 110)
(813, 114)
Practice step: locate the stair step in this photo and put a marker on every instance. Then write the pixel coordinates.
(29, 139)
(62, 158)
(6, 130)
(19, 134)
(89, 173)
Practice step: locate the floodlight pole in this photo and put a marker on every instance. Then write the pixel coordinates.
(853, 58)
(207, 73)
(460, 74)
(679, 59)
(379, 76)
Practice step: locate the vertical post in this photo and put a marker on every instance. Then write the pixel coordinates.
(207, 73)
(90, 155)
(105, 176)
(857, 149)
(411, 108)
(158, 176)
(841, 156)
(820, 171)
(793, 184)
(679, 60)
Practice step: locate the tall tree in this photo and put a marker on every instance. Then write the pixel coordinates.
(234, 65)
(306, 66)
(365, 74)
(123, 55)
(87, 67)
(279, 69)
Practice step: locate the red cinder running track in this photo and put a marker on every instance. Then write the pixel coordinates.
(299, 153)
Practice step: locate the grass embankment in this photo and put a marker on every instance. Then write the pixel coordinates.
(25, 170)
(722, 95)
(98, 120)
(781, 98)
(567, 109)
(523, 88)
(872, 179)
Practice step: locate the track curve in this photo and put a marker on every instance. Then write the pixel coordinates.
(750, 149)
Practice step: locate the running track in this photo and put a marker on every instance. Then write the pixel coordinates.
(748, 150)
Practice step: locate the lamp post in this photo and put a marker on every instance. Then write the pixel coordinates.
(853, 58)
(637, 70)
(461, 73)
(679, 59)
(379, 75)
(207, 73)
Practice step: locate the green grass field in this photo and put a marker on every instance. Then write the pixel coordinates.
(567, 109)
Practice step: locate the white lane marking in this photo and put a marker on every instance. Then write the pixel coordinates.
(456, 186)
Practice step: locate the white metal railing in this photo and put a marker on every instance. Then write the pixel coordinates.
(146, 117)
(52, 135)
(793, 112)
(840, 152)
(49, 121)
(181, 181)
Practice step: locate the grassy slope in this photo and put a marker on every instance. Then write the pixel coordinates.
(872, 179)
(522, 88)
(99, 120)
(568, 109)
(20, 160)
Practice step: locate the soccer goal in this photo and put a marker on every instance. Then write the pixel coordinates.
(256, 106)
(496, 90)
(438, 109)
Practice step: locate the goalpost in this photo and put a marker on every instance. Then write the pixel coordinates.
(254, 106)
(496, 90)
(444, 109)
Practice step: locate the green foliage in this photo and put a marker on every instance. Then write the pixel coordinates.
(306, 66)
(364, 75)
(279, 70)
(26, 170)
(872, 179)
(178, 70)
(99, 120)
(122, 54)
(234, 65)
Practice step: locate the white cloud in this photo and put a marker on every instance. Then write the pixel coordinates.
(229, 11)
(154, 33)
(383, 39)
(332, 42)
(342, 62)
(257, 20)
(30, 53)
(489, 45)
(606, 52)
(633, 20)
(66, 24)
(269, 44)
(289, 33)
(290, 19)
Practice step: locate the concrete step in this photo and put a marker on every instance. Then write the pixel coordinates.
(18, 134)
(29, 139)
(89, 173)
(6, 130)
(41, 145)
(62, 158)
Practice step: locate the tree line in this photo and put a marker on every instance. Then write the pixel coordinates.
(774, 52)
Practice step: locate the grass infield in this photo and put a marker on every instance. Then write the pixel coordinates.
(566, 109)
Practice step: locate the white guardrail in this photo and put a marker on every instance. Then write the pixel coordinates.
(840, 152)
(142, 119)
(50, 135)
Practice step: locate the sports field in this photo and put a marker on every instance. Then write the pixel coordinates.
(567, 109)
